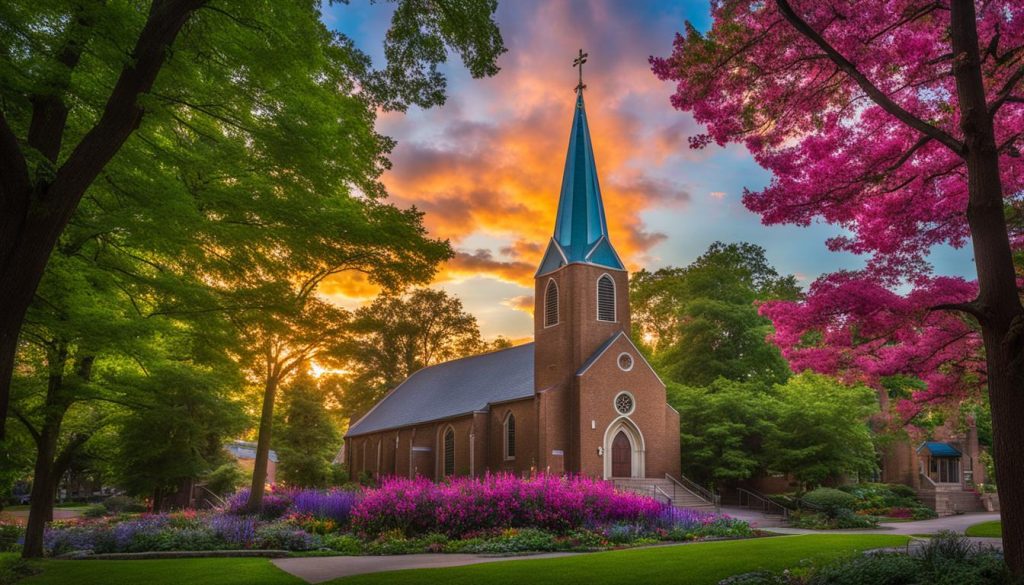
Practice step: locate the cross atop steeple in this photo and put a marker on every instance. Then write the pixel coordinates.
(578, 62)
(581, 232)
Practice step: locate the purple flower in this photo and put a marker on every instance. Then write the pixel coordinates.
(332, 504)
(239, 531)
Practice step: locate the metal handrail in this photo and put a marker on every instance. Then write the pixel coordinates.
(668, 499)
(766, 505)
(697, 490)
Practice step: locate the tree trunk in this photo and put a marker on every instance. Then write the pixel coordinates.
(43, 478)
(33, 213)
(259, 470)
(43, 486)
(1000, 312)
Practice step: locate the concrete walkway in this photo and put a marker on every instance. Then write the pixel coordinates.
(21, 516)
(953, 523)
(320, 569)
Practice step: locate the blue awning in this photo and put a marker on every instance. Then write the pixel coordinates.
(936, 449)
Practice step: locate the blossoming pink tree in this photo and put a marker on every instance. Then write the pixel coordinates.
(898, 120)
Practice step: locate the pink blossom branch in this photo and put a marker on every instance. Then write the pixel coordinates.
(877, 95)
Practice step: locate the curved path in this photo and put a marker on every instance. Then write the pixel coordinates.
(320, 569)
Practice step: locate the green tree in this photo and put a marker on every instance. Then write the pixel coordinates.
(723, 428)
(821, 430)
(266, 83)
(309, 439)
(396, 335)
(177, 431)
(701, 322)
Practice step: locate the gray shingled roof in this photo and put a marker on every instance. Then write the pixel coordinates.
(457, 387)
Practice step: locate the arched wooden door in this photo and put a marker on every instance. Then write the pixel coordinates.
(622, 456)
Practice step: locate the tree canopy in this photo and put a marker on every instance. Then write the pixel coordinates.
(812, 428)
(701, 321)
(396, 335)
(899, 122)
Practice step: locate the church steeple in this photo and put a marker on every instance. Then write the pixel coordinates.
(581, 232)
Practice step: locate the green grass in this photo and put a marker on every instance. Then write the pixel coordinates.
(161, 572)
(991, 529)
(691, 564)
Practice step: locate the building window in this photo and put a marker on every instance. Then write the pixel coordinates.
(624, 403)
(449, 452)
(625, 362)
(551, 304)
(605, 298)
(510, 436)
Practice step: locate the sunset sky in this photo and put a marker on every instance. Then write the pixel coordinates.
(487, 166)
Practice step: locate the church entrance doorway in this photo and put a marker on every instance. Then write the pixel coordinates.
(622, 456)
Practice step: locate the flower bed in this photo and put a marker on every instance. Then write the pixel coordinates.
(495, 514)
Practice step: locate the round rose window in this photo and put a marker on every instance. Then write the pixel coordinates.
(625, 362)
(624, 403)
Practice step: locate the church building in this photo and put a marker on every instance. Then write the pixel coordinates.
(580, 399)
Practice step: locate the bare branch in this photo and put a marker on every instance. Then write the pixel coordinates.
(972, 308)
(1005, 94)
(876, 95)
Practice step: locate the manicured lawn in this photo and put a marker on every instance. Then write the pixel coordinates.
(692, 564)
(992, 529)
(162, 572)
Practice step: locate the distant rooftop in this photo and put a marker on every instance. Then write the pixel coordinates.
(246, 450)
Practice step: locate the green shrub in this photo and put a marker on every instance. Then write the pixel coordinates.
(345, 544)
(95, 511)
(9, 535)
(846, 518)
(123, 504)
(830, 500)
(902, 490)
(14, 569)
(880, 569)
(755, 578)
(225, 479)
(923, 513)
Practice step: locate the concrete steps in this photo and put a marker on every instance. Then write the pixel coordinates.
(662, 489)
(950, 500)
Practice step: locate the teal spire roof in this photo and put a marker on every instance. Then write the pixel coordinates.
(581, 233)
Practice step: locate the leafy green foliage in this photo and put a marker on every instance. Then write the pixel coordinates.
(821, 430)
(180, 432)
(830, 500)
(723, 428)
(225, 479)
(309, 438)
(701, 321)
(812, 427)
(396, 335)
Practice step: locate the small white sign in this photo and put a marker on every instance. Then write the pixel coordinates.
(558, 452)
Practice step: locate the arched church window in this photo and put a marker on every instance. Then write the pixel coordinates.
(605, 298)
(551, 304)
(449, 452)
(510, 436)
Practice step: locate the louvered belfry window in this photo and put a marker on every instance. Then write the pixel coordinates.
(551, 304)
(449, 452)
(605, 299)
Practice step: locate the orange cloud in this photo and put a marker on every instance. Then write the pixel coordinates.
(522, 303)
(483, 262)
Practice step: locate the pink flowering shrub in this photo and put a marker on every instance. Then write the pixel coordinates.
(464, 505)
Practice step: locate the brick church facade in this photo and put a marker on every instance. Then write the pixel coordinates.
(580, 399)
